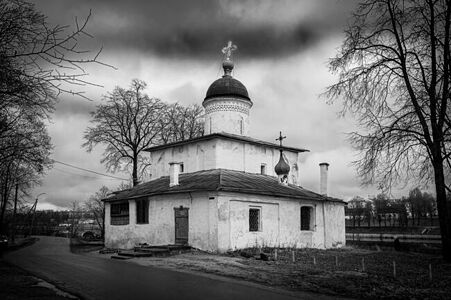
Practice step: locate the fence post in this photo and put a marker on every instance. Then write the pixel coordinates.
(336, 261)
(394, 269)
(430, 272)
(314, 260)
(363, 264)
(275, 254)
(293, 256)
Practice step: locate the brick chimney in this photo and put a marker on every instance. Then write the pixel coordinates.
(323, 169)
(174, 171)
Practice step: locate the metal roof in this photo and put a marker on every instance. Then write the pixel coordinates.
(229, 136)
(227, 86)
(220, 180)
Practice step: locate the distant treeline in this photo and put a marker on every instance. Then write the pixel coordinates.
(49, 222)
(417, 209)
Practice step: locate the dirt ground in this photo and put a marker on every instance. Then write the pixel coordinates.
(334, 272)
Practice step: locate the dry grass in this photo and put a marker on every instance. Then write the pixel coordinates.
(318, 270)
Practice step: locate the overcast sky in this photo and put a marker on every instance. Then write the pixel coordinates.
(175, 46)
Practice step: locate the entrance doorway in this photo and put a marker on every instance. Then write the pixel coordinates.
(181, 225)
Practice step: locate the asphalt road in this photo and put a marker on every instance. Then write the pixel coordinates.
(96, 278)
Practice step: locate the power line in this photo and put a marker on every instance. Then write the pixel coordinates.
(81, 175)
(86, 170)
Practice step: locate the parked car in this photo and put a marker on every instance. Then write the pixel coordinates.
(3, 242)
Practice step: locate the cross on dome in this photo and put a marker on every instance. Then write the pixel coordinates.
(227, 63)
(227, 51)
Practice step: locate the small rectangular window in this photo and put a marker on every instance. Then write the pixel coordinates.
(142, 211)
(263, 169)
(306, 218)
(119, 213)
(182, 168)
(254, 219)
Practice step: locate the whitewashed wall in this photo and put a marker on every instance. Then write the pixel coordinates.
(161, 227)
(226, 154)
(195, 157)
(220, 222)
(281, 223)
(226, 114)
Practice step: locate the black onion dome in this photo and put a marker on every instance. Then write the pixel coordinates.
(227, 86)
(282, 168)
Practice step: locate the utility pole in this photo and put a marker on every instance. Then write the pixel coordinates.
(34, 211)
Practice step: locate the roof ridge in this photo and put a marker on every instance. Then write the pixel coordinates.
(245, 139)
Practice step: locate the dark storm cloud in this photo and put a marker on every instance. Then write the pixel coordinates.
(72, 106)
(186, 42)
(197, 29)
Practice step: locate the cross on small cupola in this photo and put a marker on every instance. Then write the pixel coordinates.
(281, 138)
(282, 168)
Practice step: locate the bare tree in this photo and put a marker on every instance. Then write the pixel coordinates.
(181, 123)
(356, 209)
(127, 124)
(130, 122)
(95, 206)
(38, 62)
(394, 75)
(24, 161)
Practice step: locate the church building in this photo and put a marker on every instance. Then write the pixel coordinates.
(225, 190)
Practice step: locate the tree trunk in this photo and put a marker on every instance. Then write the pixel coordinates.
(13, 221)
(443, 211)
(5, 196)
(135, 170)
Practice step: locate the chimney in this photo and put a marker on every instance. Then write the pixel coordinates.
(323, 168)
(174, 171)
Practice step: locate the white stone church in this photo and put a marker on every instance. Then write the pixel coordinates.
(225, 190)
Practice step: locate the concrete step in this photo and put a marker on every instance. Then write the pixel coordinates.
(162, 250)
(155, 251)
(120, 257)
(135, 254)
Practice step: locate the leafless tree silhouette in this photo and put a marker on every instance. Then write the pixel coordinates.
(183, 123)
(38, 62)
(130, 122)
(394, 75)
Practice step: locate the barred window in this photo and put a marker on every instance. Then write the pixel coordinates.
(119, 213)
(306, 218)
(254, 219)
(142, 211)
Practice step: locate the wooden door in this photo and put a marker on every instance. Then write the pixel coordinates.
(181, 225)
